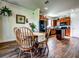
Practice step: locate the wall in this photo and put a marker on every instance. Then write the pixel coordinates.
(36, 18)
(75, 24)
(8, 23)
(1, 30)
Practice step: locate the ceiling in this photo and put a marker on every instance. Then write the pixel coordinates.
(54, 6)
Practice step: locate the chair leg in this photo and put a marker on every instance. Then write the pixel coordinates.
(47, 50)
(19, 55)
(31, 54)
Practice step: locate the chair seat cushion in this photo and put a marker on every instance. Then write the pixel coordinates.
(25, 49)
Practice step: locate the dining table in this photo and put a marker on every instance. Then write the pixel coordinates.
(40, 37)
(41, 42)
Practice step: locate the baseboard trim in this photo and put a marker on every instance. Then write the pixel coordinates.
(6, 41)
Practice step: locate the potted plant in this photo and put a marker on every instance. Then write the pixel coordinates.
(33, 26)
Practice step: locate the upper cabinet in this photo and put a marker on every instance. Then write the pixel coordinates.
(65, 20)
(54, 22)
(42, 17)
(62, 21)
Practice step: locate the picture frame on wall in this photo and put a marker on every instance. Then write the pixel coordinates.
(20, 19)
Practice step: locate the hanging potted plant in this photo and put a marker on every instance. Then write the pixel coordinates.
(5, 11)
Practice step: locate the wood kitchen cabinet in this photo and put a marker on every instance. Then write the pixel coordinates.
(66, 22)
(52, 31)
(67, 32)
(54, 22)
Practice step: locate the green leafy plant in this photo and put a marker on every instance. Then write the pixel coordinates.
(5, 11)
(33, 26)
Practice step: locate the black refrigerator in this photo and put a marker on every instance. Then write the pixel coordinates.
(42, 26)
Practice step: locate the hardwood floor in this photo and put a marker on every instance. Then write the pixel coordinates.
(67, 48)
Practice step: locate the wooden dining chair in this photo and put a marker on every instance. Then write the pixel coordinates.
(47, 37)
(48, 33)
(44, 44)
(25, 40)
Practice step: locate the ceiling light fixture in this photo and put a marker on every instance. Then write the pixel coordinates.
(46, 2)
(46, 8)
(72, 10)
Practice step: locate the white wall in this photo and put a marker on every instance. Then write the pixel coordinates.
(1, 28)
(75, 24)
(36, 18)
(8, 23)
